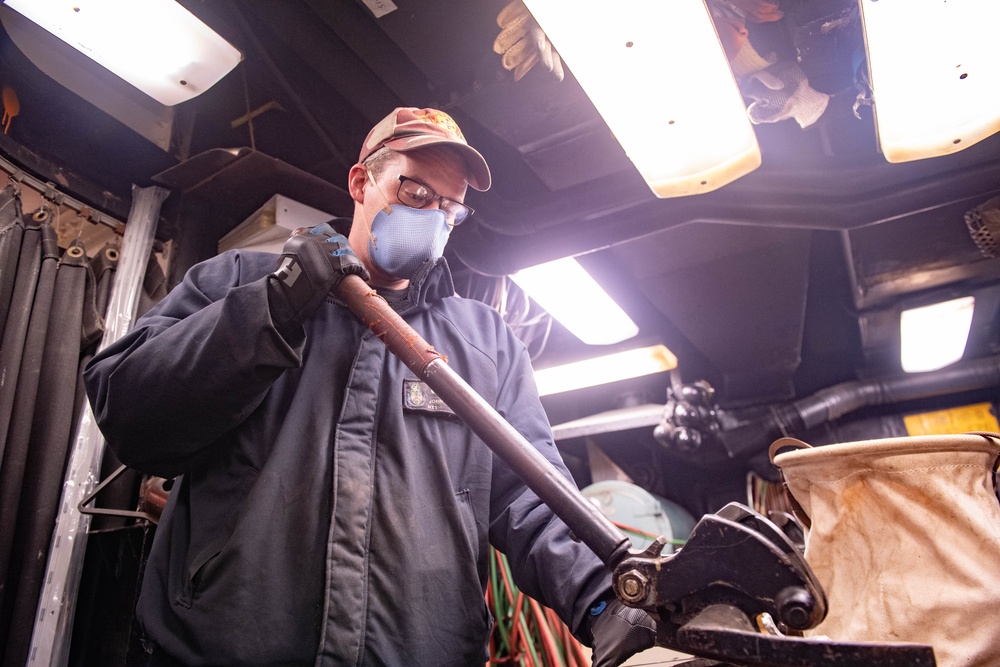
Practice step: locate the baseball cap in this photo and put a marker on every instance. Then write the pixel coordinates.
(408, 128)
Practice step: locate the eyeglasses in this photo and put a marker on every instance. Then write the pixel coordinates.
(418, 195)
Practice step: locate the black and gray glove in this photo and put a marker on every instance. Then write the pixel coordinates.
(312, 262)
(619, 633)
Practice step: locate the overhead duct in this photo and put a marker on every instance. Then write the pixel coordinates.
(694, 429)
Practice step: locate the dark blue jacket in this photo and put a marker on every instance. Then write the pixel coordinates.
(327, 513)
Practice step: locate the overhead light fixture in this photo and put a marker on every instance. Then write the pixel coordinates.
(156, 45)
(659, 77)
(932, 337)
(606, 369)
(573, 297)
(935, 74)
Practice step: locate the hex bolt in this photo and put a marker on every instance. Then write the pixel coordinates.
(632, 586)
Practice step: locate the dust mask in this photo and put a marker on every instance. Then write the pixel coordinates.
(404, 238)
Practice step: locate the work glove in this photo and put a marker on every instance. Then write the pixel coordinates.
(313, 261)
(523, 43)
(619, 633)
(747, 62)
(782, 91)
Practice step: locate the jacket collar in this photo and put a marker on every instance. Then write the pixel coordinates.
(432, 283)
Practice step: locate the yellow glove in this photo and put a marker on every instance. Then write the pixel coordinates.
(523, 43)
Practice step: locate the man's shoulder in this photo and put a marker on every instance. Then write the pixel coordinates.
(470, 307)
(478, 322)
(235, 267)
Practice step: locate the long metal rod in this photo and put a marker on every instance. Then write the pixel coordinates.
(582, 517)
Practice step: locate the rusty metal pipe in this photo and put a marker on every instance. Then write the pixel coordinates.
(582, 517)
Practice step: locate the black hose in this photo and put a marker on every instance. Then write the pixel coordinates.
(11, 231)
(50, 438)
(29, 263)
(834, 402)
(18, 438)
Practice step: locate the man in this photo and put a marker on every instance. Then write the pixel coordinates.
(329, 509)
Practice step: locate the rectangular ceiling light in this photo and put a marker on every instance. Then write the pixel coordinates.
(156, 45)
(934, 336)
(935, 74)
(656, 72)
(573, 297)
(602, 370)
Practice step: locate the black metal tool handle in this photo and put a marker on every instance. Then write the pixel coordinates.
(582, 517)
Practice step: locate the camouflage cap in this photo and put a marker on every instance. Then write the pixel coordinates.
(409, 128)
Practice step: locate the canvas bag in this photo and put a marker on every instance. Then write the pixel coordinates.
(904, 536)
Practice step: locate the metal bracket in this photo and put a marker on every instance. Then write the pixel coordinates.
(138, 514)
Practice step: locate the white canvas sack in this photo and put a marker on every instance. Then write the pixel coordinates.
(905, 540)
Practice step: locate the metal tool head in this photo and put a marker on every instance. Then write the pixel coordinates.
(715, 597)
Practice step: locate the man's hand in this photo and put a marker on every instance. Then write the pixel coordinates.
(312, 262)
(619, 633)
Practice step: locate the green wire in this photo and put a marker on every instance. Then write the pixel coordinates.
(499, 615)
(529, 643)
(500, 564)
(561, 651)
(520, 619)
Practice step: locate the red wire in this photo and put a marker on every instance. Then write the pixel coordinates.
(548, 641)
(516, 635)
(515, 652)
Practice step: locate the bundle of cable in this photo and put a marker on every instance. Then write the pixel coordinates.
(524, 632)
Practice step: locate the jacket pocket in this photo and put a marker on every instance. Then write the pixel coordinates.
(463, 500)
(195, 575)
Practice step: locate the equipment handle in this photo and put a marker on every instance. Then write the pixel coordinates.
(582, 517)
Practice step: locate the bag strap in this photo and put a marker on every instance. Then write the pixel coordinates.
(772, 452)
(781, 443)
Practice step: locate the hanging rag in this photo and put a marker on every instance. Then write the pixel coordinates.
(904, 536)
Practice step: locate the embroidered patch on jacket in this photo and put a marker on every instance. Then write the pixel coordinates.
(418, 397)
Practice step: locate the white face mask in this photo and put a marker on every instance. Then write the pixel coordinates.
(404, 238)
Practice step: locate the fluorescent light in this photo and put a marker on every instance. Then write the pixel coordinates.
(570, 295)
(602, 370)
(934, 336)
(657, 73)
(935, 74)
(156, 45)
